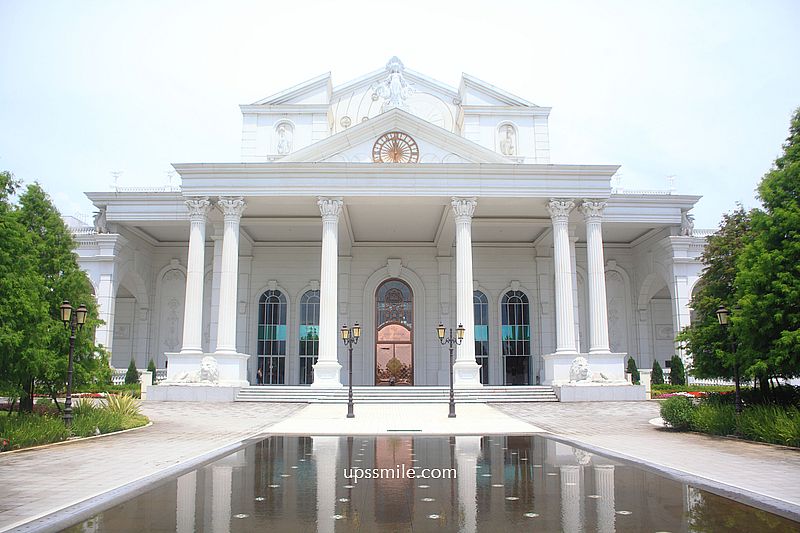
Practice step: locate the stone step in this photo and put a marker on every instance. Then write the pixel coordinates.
(300, 394)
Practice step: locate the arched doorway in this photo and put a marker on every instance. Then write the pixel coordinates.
(394, 348)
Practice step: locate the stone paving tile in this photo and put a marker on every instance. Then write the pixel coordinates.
(75, 471)
(623, 428)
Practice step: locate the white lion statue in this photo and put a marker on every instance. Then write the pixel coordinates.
(579, 372)
(208, 374)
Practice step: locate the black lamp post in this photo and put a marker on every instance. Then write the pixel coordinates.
(350, 338)
(452, 342)
(71, 320)
(724, 315)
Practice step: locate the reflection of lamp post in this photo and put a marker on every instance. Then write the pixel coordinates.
(452, 342)
(350, 338)
(723, 315)
(71, 321)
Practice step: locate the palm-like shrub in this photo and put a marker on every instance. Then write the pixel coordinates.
(83, 406)
(122, 404)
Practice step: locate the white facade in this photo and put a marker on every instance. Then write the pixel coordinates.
(246, 259)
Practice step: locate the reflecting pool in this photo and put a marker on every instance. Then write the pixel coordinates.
(416, 483)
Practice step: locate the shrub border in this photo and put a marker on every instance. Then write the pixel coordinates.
(74, 439)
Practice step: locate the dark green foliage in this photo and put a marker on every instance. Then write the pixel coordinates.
(715, 419)
(30, 429)
(677, 373)
(38, 270)
(132, 375)
(633, 371)
(709, 343)
(767, 327)
(657, 376)
(151, 367)
(678, 412)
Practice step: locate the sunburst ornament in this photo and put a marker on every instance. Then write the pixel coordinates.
(395, 147)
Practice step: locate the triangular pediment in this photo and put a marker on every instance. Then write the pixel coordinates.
(314, 91)
(475, 92)
(435, 144)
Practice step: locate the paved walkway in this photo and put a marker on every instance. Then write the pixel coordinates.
(37, 482)
(740, 470)
(32, 483)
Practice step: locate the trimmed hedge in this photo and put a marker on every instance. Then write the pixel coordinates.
(764, 423)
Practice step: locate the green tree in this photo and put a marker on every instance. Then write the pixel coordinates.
(24, 310)
(633, 371)
(38, 269)
(677, 373)
(151, 367)
(132, 375)
(657, 376)
(767, 327)
(706, 341)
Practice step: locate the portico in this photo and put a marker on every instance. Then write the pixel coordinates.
(437, 206)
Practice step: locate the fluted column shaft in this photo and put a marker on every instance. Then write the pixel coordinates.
(185, 509)
(232, 209)
(598, 310)
(565, 324)
(326, 371)
(195, 265)
(604, 487)
(463, 209)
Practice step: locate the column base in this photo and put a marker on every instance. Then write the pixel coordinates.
(327, 375)
(466, 374)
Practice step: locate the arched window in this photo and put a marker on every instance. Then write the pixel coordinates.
(309, 335)
(516, 336)
(481, 306)
(272, 338)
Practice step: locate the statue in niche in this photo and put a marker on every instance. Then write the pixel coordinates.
(687, 224)
(508, 144)
(284, 139)
(208, 374)
(395, 90)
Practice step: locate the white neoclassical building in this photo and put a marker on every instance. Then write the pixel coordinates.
(398, 202)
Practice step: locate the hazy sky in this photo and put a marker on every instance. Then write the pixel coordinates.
(696, 89)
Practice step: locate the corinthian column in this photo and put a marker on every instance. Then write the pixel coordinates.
(193, 310)
(466, 372)
(565, 324)
(232, 209)
(598, 311)
(327, 370)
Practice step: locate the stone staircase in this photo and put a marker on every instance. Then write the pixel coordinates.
(488, 394)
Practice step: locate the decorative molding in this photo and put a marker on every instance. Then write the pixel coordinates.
(231, 207)
(560, 208)
(330, 208)
(394, 266)
(198, 208)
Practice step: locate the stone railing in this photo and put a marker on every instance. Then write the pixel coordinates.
(163, 188)
(644, 192)
(118, 378)
(703, 232)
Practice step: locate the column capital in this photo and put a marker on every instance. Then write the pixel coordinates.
(198, 207)
(330, 208)
(232, 207)
(559, 209)
(463, 208)
(592, 210)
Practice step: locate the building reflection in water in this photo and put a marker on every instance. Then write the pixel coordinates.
(295, 484)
